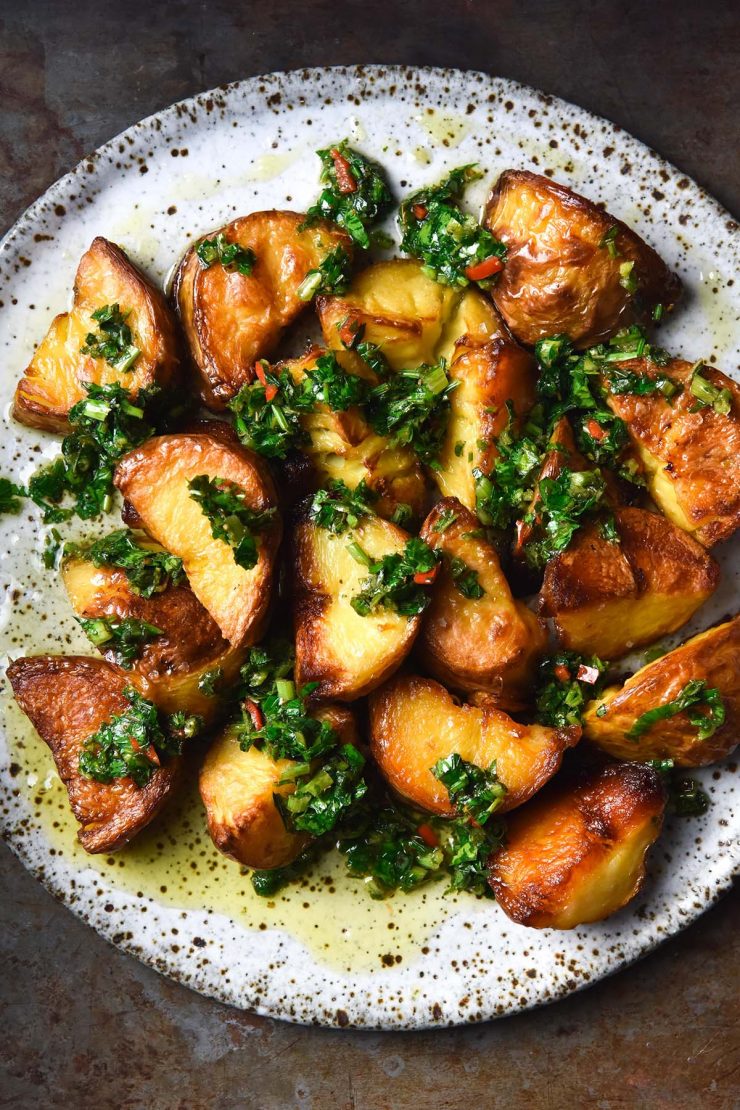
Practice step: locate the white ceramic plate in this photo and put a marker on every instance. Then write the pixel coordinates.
(332, 956)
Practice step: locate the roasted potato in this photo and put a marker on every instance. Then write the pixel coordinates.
(231, 319)
(344, 446)
(238, 791)
(490, 376)
(711, 656)
(67, 699)
(608, 598)
(348, 655)
(412, 317)
(415, 722)
(570, 265)
(54, 380)
(170, 666)
(691, 453)
(577, 853)
(489, 643)
(154, 480)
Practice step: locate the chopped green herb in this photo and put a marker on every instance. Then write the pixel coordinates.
(465, 579)
(265, 665)
(685, 796)
(52, 547)
(127, 745)
(232, 520)
(389, 854)
(566, 682)
(283, 727)
(402, 515)
(10, 496)
(149, 570)
(702, 704)
(628, 277)
(338, 508)
(398, 581)
(476, 794)
(444, 520)
(271, 428)
(563, 501)
(709, 395)
(267, 883)
(182, 726)
(609, 241)
(210, 681)
(113, 340)
(658, 312)
(467, 850)
(324, 797)
(231, 255)
(126, 638)
(412, 408)
(328, 383)
(329, 277)
(351, 336)
(356, 193)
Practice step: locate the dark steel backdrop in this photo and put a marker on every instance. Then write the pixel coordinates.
(88, 1027)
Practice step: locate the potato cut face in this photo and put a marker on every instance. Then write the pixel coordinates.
(54, 380)
(560, 277)
(490, 643)
(712, 656)
(67, 699)
(412, 317)
(348, 655)
(237, 790)
(607, 599)
(489, 375)
(154, 480)
(576, 854)
(344, 446)
(170, 666)
(414, 722)
(232, 319)
(691, 459)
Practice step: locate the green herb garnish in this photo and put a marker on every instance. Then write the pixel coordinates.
(330, 277)
(232, 521)
(709, 395)
(328, 383)
(231, 255)
(355, 195)
(113, 340)
(148, 570)
(126, 638)
(210, 681)
(465, 579)
(52, 547)
(398, 581)
(339, 509)
(10, 496)
(702, 704)
(566, 681)
(126, 746)
(325, 796)
(389, 854)
(476, 794)
(412, 408)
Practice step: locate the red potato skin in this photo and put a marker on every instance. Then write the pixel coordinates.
(67, 699)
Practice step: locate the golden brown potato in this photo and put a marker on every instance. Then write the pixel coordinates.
(489, 374)
(67, 699)
(232, 319)
(691, 454)
(348, 655)
(412, 317)
(344, 446)
(489, 643)
(238, 791)
(711, 656)
(577, 853)
(170, 666)
(560, 278)
(415, 722)
(154, 480)
(54, 380)
(608, 598)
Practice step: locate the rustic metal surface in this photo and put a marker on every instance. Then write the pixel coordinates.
(86, 1026)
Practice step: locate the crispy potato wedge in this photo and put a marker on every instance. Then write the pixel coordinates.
(560, 277)
(414, 722)
(344, 446)
(691, 454)
(237, 789)
(712, 656)
(607, 599)
(491, 375)
(54, 380)
(154, 480)
(411, 316)
(170, 666)
(577, 853)
(232, 319)
(67, 699)
(348, 655)
(489, 643)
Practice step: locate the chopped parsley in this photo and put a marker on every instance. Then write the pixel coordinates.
(328, 383)
(685, 796)
(264, 666)
(232, 520)
(279, 723)
(232, 256)
(271, 427)
(444, 520)
(566, 681)
(465, 579)
(52, 547)
(452, 246)
(709, 395)
(331, 276)
(148, 570)
(267, 883)
(355, 192)
(702, 704)
(398, 581)
(210, 681)
(323, 797)
(351, 335)
(390, 854)
(128, 745)
(561, 504)
(113, 340)
(412, 408)
(476, 794)
(125, 639)
(10, 496)
(339, 509)
(183, 726)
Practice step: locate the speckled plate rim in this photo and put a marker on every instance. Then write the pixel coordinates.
(686, 908)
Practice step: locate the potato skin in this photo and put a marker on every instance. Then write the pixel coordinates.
(607, 599)
(557, 278)
(414, 722)
(237, 790)
(489, 643)
(231, 319)
(169, 667)
(577, 853)
(348, 655)
(692, 459)
(67, 699)
(54, 380)
(712, 655)
(153, 479)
